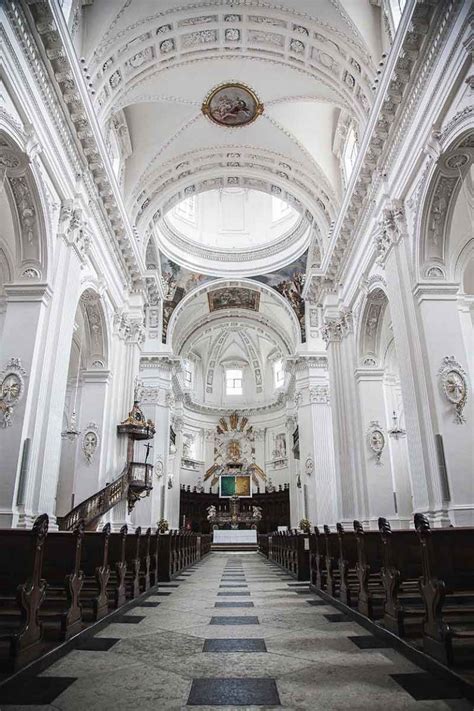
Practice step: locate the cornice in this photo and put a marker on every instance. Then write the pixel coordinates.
(273, 406)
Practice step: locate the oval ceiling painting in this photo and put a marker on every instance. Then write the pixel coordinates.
(232, 105)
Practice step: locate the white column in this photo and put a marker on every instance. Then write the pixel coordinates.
(378, 471)
(24, 329)
(395, 254)
(438, 304)
(345, 408)
(317, 469)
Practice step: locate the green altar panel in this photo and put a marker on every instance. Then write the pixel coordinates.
(227, 485)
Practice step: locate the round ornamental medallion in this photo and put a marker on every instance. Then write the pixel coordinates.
(232, 105)
(454, 386)
(377, 441)
(11, 388)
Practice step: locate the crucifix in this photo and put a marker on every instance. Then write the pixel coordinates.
(147, 446)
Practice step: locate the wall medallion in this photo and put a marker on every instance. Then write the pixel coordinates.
(12, 386)
(376, 440)
(90, 441)
(231, 105)
(453, 381)
(309, 466)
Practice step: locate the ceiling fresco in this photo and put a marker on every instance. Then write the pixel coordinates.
(288, 281)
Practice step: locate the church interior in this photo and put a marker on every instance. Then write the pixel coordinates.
(236, 355)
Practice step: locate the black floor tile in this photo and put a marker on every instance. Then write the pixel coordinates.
(369, 642)
(128, 619)
(37, 691)
(234, 645)
(96, 644)
(250, 620)
(425, 687)
(168, 585)
(234, 604)
(162, 592)
(297, 585)
(316, 603)
(233, 594)
(301, 592)
(234, 692)
(337, 617)
(148, 603)
(231, 585)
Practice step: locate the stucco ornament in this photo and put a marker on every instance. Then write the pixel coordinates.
(12, 386)
(376, 440)
(159, 468)
(453, 382)
(90, 441)
(309, 466)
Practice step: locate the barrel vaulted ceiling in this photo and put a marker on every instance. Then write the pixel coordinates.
(310, 62)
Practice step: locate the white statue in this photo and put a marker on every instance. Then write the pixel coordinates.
(257, 513)
(211, 512)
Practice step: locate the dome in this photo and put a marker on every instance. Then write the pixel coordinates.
(234, 231)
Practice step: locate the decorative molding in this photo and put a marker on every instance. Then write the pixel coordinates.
(376, 440)
(319, 395)
(90, 441)
(454, 385)
(309, 466)
(12, 387)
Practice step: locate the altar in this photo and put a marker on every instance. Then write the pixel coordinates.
(246, 535)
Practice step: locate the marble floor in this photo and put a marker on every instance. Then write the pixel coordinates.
(232, 632)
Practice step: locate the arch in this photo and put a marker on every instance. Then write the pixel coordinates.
(96, 332)
(22, 191)
(370, 327)
(437, 206)
(293, 332)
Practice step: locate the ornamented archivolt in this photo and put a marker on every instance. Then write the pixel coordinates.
(453, 381)
(12, 387)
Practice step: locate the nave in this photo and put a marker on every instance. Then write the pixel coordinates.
(231, 631)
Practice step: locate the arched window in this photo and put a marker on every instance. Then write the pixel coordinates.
(278, 373)
(350, 153)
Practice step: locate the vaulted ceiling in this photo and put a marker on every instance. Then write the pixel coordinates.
(311, 63)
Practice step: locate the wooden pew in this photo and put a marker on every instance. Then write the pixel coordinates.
(447, 587)
(145, 560)
(262, 539)
(317, 578)
(206, 542)
(332, 561)
(349, 583)
(22, 591)
(96, 569)
(401, 572)
(154, 558)
(116, 591)
(368, 569)
(61, 611)
(132, 559)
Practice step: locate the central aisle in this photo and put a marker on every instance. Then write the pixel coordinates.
(232, 631)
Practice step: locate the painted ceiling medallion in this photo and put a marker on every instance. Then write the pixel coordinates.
(232, 105)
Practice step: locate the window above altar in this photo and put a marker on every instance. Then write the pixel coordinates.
(233, 381)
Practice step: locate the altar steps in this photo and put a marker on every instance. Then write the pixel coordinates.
(234, 547)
